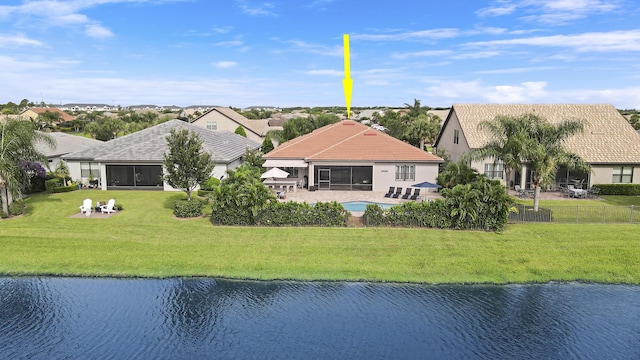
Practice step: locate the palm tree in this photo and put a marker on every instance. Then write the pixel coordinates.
(508, 134)
(17, 140)
(424, 128)
(545, 154)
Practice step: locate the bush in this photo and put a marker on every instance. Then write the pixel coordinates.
(50, 184)
(17, 208)
(292, 213)
(187, 208)
(210, 184)
(618, 189)
(64, 189)
(118, 207)
(3, 215)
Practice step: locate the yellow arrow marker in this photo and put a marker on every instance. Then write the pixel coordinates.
(347, 83)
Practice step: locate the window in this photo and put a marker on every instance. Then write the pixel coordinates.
(212, 125)
(405, 172)
(494, 171)
(88, 170)
(293, 172)
(456, 136)
(622, 174)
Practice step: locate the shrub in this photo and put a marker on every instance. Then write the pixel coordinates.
(3, 215)
(292, 213)
(210, 184)
(118, 207)
(618, 189)
(17, 207)
(52, 183)
(187, 208)
(64, 189)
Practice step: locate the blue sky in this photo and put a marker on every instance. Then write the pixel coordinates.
(290, 52)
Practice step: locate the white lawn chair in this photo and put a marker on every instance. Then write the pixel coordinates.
(86, 207)
(109, 207)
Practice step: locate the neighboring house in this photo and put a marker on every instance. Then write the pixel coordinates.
(64, 144)
(134, 161)
(262, 108)
(609, 143)
(226, 119)
(88, 107)
(34, 112)
(350, 156)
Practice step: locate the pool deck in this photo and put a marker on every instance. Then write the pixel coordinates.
(301, 195)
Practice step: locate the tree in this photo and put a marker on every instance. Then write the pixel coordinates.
(634, 120)
(545, 154)
(62, 171)
(416, 110)
(240, 196)
(424, 128)
(457, 173)
(296, 127)
(240, 131)
(267, 144)
(17, 145)
(187, 165)
(509, 135)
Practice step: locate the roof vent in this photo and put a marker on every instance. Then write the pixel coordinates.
(370, 134)
(597, 133)
(347, 124)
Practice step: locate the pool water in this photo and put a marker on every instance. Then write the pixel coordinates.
(362, 205)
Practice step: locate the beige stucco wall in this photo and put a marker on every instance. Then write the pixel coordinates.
(225, 124)
(384, 175)
(454, 151)
(603, 174)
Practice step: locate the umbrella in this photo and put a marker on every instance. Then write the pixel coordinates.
(275, 173)
(426, 184)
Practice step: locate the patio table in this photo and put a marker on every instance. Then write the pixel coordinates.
(578, 193)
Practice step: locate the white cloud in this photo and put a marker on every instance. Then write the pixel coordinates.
(325, 72)
(301, 46)
(519, 70)
(431, 34)
(264, 9)
(587, 42)
(225, 64)
(98, 31)
(19, 40)
(425, 53)
(551, 12)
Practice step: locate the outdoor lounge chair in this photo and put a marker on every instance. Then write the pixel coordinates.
(415, 195)
(390, 192)
(109, 207)
(397, 193)
(519, 191)
(407, 193)
(86, 207)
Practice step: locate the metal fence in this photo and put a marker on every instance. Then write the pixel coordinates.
(578, 214)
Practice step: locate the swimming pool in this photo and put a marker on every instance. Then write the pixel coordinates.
(362, 205)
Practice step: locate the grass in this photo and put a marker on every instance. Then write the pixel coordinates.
(145, 240)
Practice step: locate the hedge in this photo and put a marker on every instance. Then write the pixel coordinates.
(64, 189)
(292, 213)
(618, 189)
(187, 208)
(50, 184)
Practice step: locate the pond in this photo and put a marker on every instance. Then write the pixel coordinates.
(79, 318)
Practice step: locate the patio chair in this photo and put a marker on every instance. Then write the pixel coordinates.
(519, 191)
(397, 193)
(415, 195)
(593, 192)
(390, 192)
(407, 193)
(86, 207)
(109, 207)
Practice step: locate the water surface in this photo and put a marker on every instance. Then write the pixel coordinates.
(75, 318)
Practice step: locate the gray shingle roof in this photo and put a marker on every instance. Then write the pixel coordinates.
(149, 145)
(65, 144)
(607, 136)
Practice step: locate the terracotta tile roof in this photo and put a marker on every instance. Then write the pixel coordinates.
(63, 115)
(349, 140)
(607, 136)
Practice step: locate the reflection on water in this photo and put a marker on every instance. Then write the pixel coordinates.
(62, 318)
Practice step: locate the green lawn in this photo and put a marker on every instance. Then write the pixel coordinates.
(145, 240)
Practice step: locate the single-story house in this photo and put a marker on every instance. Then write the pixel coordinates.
(350, 156)
(64, 144)
(34, 112)
(225, 119)
(609, 143)
(134, 161)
